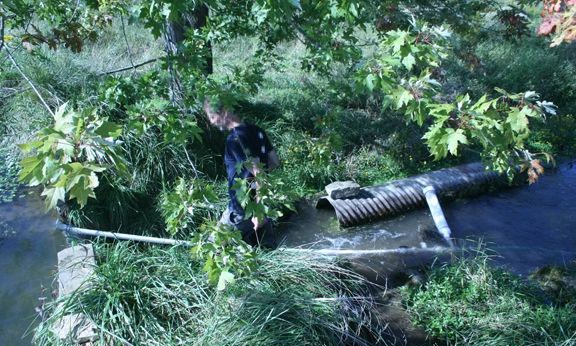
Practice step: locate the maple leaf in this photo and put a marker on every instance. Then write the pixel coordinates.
(548, 24)
(534, 171)
(453, 138)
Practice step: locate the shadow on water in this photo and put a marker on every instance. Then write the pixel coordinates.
(28, 259)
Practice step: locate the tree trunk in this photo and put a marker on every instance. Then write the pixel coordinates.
(173, 37)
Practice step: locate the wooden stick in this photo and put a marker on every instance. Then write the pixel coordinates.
(28, 80)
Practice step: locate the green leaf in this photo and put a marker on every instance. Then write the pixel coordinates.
(518, 120)
(30, 169)
(453, 138)
(64, 121)
(353, 10)
(399, 40)
(225, 278)
(369, 81)
(109, 129)
(409, 61)
(296, 3)
(81, 191)
(402, 97)
(53, 195)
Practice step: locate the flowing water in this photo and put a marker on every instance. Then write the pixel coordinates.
(526, 227)
(28, 248)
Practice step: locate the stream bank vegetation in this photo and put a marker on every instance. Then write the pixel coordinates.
(472, 302)
(363, 90)
(155, 296)
(148, 295)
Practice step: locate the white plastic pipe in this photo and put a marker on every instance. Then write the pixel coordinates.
(120, 236)
(163, 241)
(437, 214)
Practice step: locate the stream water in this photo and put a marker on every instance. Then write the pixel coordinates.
(525, 227)
(528, 226)
(28, 248)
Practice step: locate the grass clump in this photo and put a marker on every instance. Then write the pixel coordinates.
(156, 296)
(469, 302)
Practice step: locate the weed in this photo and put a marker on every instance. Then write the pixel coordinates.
(470, 302)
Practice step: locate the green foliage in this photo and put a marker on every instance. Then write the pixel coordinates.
(187, 205)
(8, 172)
(471, 302)
(368, 167)
(518, 66)
(308, 163)
(264, 196)
(65, 158)
(559, 283)
(159, 296)
(403, 70)
(557, 137)
(223, 252)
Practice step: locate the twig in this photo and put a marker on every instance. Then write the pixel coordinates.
(127, 44)
(28, 80)
(130, 67)
(190, 161)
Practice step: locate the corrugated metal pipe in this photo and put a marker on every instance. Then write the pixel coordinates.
(397, 197)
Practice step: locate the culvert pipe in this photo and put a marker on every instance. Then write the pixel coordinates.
(397, 197)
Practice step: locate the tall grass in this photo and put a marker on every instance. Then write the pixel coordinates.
(153, 296)
(473, 303)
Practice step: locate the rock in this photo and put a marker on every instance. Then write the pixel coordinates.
(342, 189)
(76, 328)
(75, 265)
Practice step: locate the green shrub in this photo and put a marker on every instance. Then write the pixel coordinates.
(308, 164)
(369, 167)
(556, 136)
(190, 203)
(10, 157)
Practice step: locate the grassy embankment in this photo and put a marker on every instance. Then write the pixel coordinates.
(155, 296)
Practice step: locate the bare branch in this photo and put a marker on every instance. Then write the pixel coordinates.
(127, 44)
(28, 80)
(130, 67)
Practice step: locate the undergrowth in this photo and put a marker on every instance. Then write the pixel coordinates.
(154, 296)
(471, 302)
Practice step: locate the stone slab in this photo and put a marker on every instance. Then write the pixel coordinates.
(75, 265)
(342, 189)
(76, 327)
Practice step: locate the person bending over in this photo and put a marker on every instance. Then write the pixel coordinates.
(248, 147)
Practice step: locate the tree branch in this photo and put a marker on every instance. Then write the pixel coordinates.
(28, 80)
(130, 67)
(127, 44)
